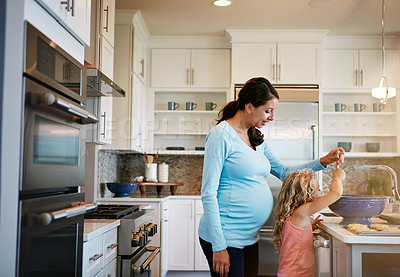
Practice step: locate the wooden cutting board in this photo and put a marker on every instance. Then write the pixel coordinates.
(391, 218)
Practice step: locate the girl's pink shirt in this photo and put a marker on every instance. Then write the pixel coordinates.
(297, 257)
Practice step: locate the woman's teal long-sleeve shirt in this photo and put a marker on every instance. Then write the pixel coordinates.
(236, 198)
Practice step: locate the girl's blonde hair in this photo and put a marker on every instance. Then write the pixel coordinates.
(296, 190)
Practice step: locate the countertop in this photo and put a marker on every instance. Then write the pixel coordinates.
(145, 199)
(95, 227)
(331, 226)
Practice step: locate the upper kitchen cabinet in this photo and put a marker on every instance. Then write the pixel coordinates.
(197, 68)
(107, 10)
(280, 63)
(73, 15)
(129, 113)
(351, 68)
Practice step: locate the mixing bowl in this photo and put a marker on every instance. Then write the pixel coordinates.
(121, 189)
(359, 208)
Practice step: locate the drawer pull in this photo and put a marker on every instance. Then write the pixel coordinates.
(112, 246)
(96, 257)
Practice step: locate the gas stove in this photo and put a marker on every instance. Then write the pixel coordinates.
(135, 247)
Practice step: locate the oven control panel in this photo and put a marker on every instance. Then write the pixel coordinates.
(140, 237)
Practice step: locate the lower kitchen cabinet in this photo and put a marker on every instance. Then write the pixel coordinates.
(100, 255)
(186, 253)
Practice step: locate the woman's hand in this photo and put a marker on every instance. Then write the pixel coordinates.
(221, 262)
(335, 155)
(317, 220)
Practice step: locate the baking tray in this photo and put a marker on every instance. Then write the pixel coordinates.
(377, 233)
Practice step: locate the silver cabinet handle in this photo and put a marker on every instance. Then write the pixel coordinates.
(78, 208)
(106, 27)
(104, 125)
(141, 269)
(187, 76)
(73, 8)
(362, 77)
(192, 77)
(112, 246)
(142, 63)
(273, 71)
(266, 230)
(96, 257)
(279, 72)
(51, 100)
(68, 7)
(356, 77)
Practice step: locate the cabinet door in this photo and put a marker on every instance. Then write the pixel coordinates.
(393, 68)
(210, 68)
(339, 68)
(370, 68)
(181, 235)
(106, 121)
(170, 68)
(110, 245)
(139, 56)
(298, 63)
(138, 101)
(200, 262)
(253, 60)
(106, 58)
(110, 270)
(164, 246)
(76, 20)
(92, 257)
(107, 15)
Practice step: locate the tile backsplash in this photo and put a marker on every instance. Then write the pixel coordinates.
(122, 166)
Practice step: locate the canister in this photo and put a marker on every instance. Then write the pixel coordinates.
(151, 172)
(163, 173)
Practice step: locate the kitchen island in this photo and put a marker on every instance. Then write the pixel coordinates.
(358, 255)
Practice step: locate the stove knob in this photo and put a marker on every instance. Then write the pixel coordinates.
(136, 240)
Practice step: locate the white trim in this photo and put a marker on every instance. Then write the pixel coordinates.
(284, 35)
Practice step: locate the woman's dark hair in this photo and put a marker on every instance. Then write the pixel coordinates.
(256, 91)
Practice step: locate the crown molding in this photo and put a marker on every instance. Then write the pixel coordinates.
(284, 35)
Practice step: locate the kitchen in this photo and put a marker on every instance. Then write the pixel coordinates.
(190, 133)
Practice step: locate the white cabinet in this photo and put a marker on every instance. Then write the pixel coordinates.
(100, 255)
(74, 15)
(351, 68)
(348, 76)
(129, 112)
(106, 121)
(107, 10)
(186, 253)
(106, 58)
(139, 55)
(164, 237)
(280, 63)
(201, 68)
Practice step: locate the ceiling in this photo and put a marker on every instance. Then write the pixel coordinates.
(202, 18)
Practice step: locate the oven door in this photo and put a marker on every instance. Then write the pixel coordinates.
(51, 235)
(54, 137)
(140, 264)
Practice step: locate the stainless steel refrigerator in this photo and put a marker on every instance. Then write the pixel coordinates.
(293, 137)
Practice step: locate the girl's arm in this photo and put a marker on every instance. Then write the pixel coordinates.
(310, 208)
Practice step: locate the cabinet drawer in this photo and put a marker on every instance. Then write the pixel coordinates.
(199, 206)
(92, 256)
(110, 245)
(110, 270)
(164, 210)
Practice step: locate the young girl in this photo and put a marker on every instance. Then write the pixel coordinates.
(299, 198)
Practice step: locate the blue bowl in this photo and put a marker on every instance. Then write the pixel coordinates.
(121, 189)
(359, 208)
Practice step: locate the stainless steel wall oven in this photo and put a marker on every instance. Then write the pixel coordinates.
(51, 206)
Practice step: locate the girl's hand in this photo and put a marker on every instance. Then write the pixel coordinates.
(339, 173)
(335, 155)
(221, 262)
(317, 220)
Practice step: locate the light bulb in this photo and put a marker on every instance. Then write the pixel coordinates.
(222, 3)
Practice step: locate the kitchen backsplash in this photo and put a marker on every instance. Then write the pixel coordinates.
(122, 166)
(119, 166)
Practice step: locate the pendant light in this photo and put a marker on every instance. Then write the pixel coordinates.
(383, 92)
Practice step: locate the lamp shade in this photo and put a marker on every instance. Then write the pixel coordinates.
(380, 92)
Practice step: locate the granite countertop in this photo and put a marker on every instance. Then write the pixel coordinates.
(95, 227)
(331, 226)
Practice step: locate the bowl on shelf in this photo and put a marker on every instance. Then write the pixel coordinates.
(121, 189)
(372, 146)
(346, 145)
(359, 208)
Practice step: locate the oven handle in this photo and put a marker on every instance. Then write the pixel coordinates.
(78, 208)
(51, 100)
(140, 269)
